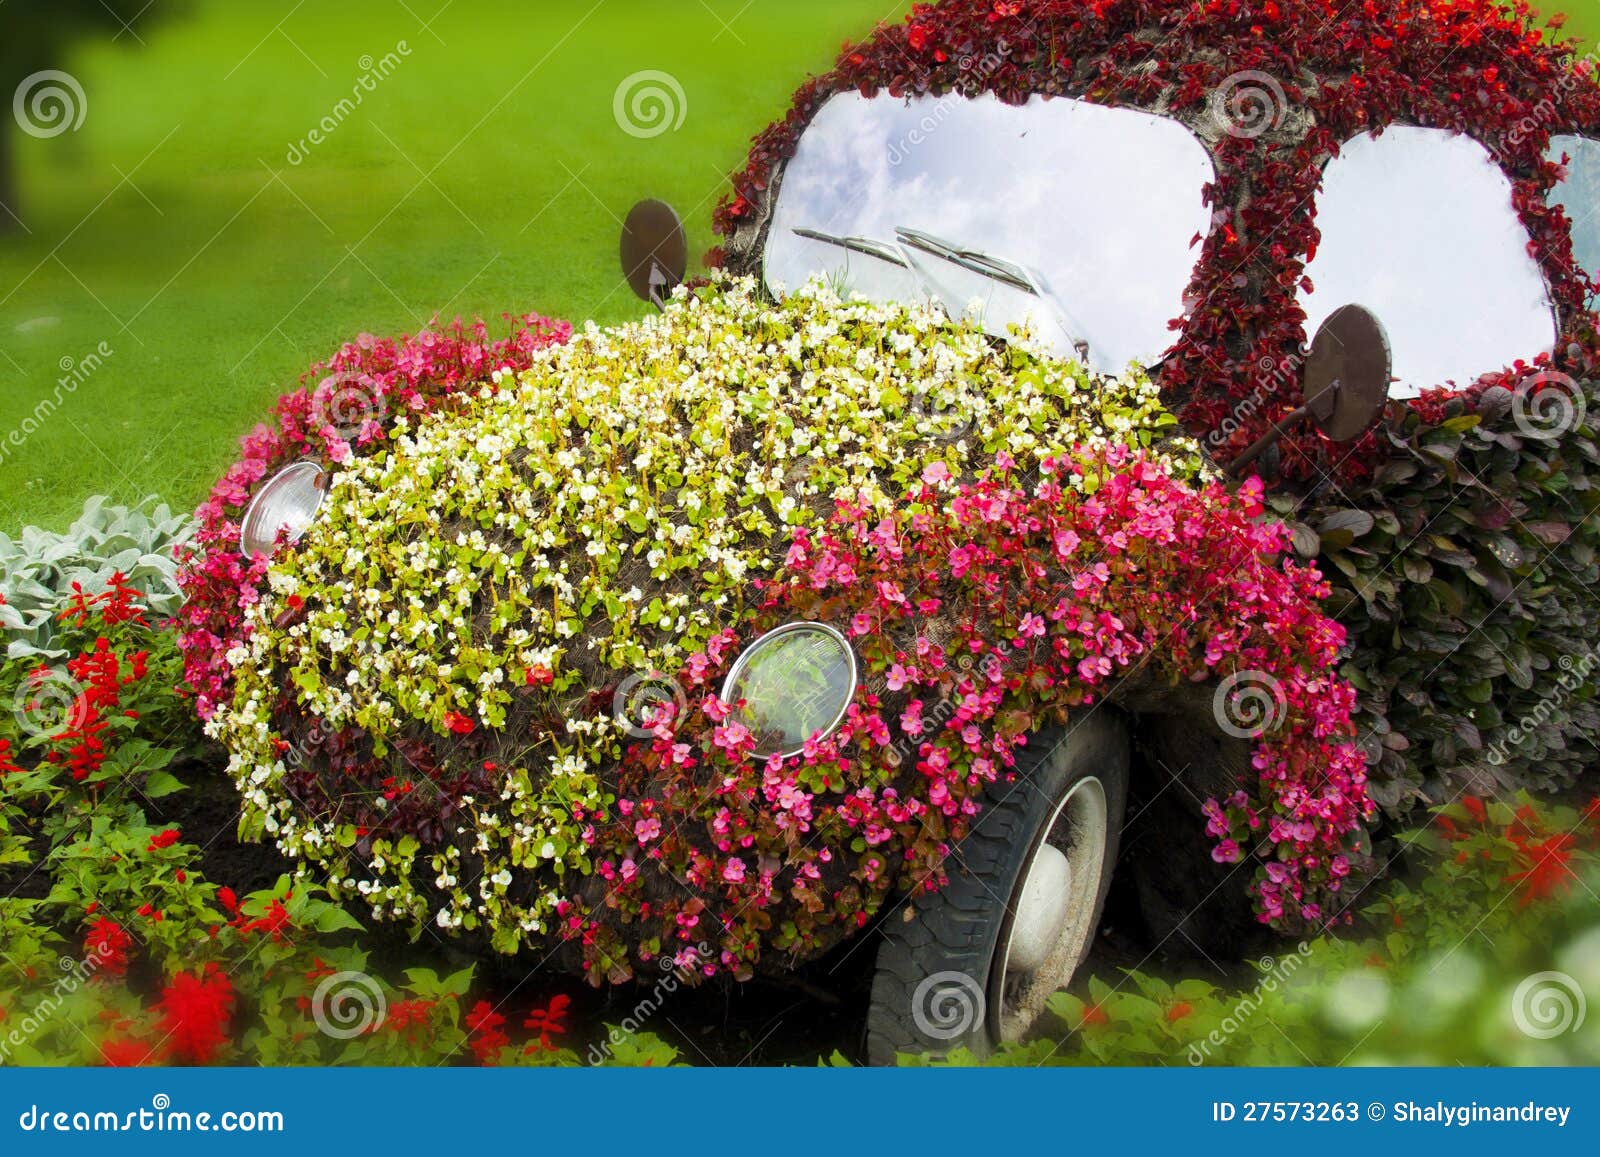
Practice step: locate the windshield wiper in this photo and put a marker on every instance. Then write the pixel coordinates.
(1002, 272)
(972, 260)
(882, 250)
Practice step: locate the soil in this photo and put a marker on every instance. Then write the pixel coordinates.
(208, 815)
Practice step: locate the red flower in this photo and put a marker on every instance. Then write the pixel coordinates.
(1548, 868)
(273, 922)
(227, 899)
(487, 1038)
(412, 1019)
(195, 1013)
(459, 723)
(1178, 1011)
(1094, 1014)
(163, 840)
(549, 1021)
(108, 944)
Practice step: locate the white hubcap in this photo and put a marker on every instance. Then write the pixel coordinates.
(1042, 911)
(1052, 925)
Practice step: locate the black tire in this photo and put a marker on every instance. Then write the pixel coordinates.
(936, 987)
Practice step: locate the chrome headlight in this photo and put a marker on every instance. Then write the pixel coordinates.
(796, 682)
(288, 502)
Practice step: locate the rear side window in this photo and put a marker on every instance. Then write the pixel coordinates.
(1418, 226)
(1579, 195)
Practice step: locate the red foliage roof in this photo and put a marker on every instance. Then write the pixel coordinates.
(1472, 66)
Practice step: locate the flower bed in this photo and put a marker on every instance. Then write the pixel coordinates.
(428, 705)
(120, 951)
(343, 409)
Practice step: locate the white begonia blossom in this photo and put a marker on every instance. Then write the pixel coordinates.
(651, 471)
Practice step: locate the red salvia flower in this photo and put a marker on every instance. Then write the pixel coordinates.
(107, 943)
(127, 1053)
(487, 1037)
(195, 1014)
(549, 1021)
(1549, 869)
(163, 840)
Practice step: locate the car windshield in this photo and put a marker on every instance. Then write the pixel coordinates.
(1579, 195)
(1073, 217)
(1418, 226)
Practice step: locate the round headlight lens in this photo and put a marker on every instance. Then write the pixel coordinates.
(288, 502)
(796, 682)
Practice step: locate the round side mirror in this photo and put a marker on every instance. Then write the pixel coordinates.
(1348, 374)
(655, 251)
(1345, 383)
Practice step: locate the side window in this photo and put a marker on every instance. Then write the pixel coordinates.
(1418, 226)
(1075, 217)
(1579, 195)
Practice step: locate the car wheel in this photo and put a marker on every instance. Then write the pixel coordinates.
(973, 964)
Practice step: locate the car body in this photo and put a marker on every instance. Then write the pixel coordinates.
(1196, 195)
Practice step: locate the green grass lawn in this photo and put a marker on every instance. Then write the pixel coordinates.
(487, 173)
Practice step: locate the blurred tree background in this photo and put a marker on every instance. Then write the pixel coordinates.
(36, 36)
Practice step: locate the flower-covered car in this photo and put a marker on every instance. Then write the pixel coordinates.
(868, 585)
